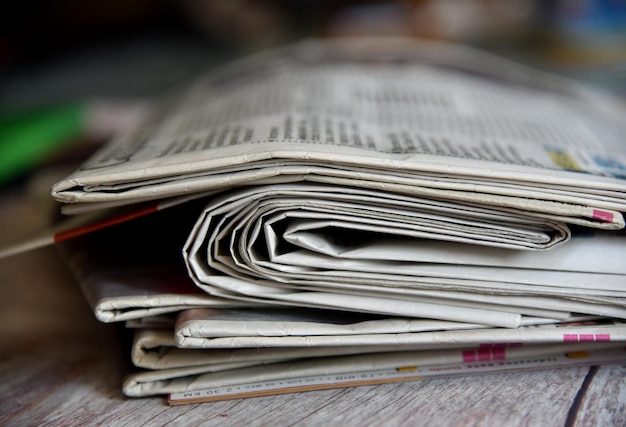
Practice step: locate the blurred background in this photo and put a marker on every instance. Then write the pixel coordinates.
(72, 72)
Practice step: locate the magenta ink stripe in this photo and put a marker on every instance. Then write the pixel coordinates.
(602, 215)
(570, 337)
(499, 353)
(469, 356)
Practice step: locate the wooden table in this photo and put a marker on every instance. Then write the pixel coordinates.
(59, 366)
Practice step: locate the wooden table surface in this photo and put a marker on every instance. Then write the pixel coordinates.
(59, 366)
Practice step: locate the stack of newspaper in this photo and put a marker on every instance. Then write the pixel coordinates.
(356, 211)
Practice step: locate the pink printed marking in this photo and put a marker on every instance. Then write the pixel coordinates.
(603, 337)
(484, 354)
(469, 356)
(587, 337)
(570, 337)
(499, 353)
(602, 215)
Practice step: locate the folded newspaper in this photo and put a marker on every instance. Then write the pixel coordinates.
(136, 269)
(184, 337)
(440, 193)
(381, 350)
(378, 148)
(404, 117)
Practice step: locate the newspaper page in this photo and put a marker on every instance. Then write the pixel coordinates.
(401, 116)
(191, 332)
(307, 244)
(126, 274)
(438, 347)
(418, 364)
(156, 349)
(533, 361)
(294, 249)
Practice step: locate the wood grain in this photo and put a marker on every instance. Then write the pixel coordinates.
(59, 366)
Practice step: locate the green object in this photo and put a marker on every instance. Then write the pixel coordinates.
(27, 138)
